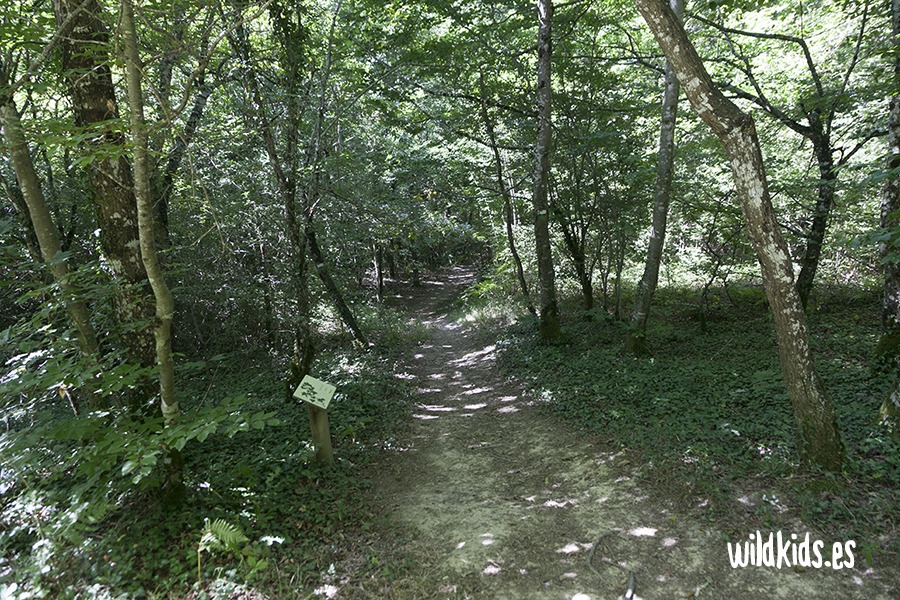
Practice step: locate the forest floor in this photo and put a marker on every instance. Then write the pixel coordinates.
(487, 496)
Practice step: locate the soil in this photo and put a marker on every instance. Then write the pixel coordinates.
(487, 496)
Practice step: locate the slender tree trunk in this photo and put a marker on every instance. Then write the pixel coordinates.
(165, 304)
(809, 262)
(549, 311)
(507, 201)
(304, 346)
(331, 287)
(819, 440)
(285, 175)
(620, 265)
(635, 339)
(585, 281)
(575, 245)
(84, 62)
(44, 228)
(174, 488)
(378, 264)
(392, 261)
(889, 345)
(165, 181)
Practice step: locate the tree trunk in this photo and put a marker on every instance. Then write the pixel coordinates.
(392, 261)
(285, 175)
(165, 304)
(549, 311)
(620, 265)
(809, 262)
(331, 287)
(585, 281)
(819, 441)
(889, 345)
(84, 62)
(304, 346)
(635, 339)
(507, 201)
(44, 228)
(165, 181)
(378, 264)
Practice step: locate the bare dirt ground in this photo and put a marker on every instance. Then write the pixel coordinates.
(488, 497)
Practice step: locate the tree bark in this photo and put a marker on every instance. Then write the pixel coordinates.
(889, 345)
(44, 228)
(635, 339)
(84, 62)
(819, 441)
(549, 310)
(315, 252)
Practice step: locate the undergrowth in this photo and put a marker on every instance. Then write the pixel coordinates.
(707, 416)
(286, 517)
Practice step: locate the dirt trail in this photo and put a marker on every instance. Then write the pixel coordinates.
(497, 500)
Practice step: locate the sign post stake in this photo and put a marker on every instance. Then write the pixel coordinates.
(317, 394)
(321, 435)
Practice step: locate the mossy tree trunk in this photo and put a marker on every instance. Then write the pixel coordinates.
(819, 439)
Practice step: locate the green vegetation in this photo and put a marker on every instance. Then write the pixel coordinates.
(203, 202)
(706, 417)
(79, 501)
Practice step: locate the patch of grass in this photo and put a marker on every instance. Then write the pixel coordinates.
(708, 414)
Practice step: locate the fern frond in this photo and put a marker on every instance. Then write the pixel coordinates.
(221, 535)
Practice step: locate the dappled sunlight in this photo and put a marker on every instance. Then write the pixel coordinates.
(574, 548)
(480, 390)
(559, 503)
(472, 358)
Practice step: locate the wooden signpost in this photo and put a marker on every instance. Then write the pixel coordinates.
(317, 394)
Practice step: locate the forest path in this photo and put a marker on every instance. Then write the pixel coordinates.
(491, 498)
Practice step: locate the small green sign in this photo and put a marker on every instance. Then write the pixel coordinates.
(315, 392)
